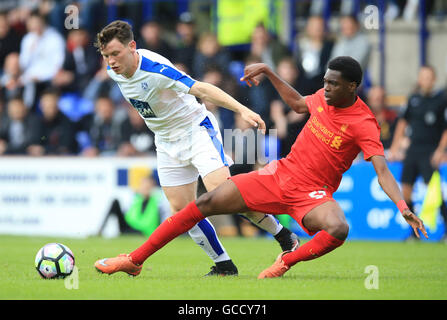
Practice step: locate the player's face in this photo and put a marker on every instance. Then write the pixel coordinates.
(337, 91)
(119, 57)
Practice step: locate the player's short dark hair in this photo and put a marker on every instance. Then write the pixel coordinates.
(120, 30)
(349, 68)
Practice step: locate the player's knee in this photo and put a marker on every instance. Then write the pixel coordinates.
(205, 203)
(338, 229)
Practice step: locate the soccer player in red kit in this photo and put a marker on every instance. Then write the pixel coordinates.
(301, 184)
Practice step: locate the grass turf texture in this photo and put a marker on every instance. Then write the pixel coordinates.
(406, 271)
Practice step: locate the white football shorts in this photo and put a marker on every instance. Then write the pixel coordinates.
(197, 153)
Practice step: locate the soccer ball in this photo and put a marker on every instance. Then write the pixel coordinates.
(54, 260)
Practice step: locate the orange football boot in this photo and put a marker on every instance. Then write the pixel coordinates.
(277, 269)
(121, 263)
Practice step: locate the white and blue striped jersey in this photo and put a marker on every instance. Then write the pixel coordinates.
(159, 92)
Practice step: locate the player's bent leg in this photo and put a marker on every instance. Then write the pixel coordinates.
(328, 218)
(225, 199)
(179, 196)
(215, 178)
(286, 239)
(203, 233)
(206, 237)
(178, 224)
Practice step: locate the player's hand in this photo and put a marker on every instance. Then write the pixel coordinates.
(253, 119)
(414, 222)
(436, 159)
(251, 71)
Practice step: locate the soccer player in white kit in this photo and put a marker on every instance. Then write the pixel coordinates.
(187, 136)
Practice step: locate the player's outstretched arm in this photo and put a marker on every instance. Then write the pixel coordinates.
(209, 92)
(391, 188)
(290, 96)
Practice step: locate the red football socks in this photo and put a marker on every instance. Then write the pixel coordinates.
(169, 229)
(320, 244)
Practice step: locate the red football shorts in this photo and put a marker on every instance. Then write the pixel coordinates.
(263, 193)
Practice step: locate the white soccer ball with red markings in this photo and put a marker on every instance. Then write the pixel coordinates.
(54, 260)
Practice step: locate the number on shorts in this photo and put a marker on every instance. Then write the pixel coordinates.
(317, 194)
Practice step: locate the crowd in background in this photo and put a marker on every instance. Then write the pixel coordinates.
(57, 99)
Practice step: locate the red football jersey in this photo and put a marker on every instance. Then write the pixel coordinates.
(327, 145)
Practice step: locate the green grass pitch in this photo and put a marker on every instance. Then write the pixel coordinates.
(405, 271)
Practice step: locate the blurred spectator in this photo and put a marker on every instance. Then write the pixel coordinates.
(425, 117)
(386, 117)
(104, 129)
(148, 209)
(312, 53)
(8, 5)
(10, 83)
(136, 138)
(182, 67)
(215, 76)
(288, 70)
(269, 49)
(151, 39)
(81, 63)
(352, 42)
(91, 14)
(42, 54)
(231, 86)
(258, 98)
(2, 110)
(20, 131)
(209, 52)
(287, 122)
(131, 11)
(54, 11)
(9, 39)
(102, 85)
(187, 41)
(58, 135)
(18, 13)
